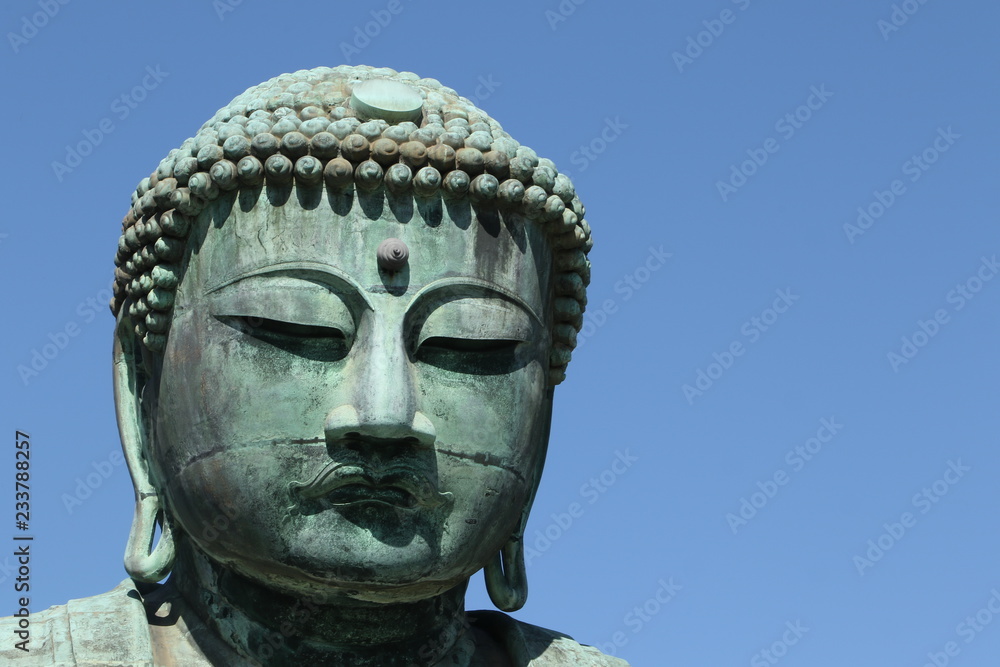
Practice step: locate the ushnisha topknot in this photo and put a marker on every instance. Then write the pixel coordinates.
(344, 128)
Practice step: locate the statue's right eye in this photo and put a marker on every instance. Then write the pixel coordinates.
(320, 343)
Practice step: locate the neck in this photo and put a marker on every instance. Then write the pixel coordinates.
(272, 628)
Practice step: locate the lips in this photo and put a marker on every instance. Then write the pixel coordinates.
(344, 484)
(362, 492)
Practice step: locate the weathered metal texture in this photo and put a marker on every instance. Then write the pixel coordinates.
(342, 308)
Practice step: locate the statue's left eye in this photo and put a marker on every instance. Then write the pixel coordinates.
(319, 343)
(470, 344)
(469, 355)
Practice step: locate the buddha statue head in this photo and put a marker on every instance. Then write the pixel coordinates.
(342, 308)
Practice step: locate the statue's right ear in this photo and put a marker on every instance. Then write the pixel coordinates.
(135, 388)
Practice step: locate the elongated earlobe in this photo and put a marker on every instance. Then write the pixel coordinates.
(506, 578)
(143, 562)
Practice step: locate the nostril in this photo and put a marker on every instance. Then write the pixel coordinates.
(411, 440)
(353, 435)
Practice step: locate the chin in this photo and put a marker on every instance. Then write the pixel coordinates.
(368, 552)
(390, 575)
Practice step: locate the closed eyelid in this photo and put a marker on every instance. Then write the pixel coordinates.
(295, 301)
(316, 273)
(480, 319)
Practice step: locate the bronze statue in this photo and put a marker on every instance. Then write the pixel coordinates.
(342, 308)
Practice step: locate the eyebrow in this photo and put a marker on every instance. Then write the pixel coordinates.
(317, 270)
(444, 283)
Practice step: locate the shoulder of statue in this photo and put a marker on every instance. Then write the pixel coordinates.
(533, 646)
(107, 629)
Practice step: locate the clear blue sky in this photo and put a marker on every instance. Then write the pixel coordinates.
(743, 158)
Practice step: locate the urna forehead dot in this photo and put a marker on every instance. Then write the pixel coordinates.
(392, 255)
(392, 101)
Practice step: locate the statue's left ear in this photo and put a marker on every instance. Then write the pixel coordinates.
(506, 578)
(134, 381)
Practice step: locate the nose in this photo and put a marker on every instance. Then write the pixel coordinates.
(381, 403)
(346, 423)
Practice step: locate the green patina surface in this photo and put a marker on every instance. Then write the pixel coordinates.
(342, 310)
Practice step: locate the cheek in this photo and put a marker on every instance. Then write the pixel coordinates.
(232, 393)
(487, 454)
(497, 416)
(231, 503)
(485, 516)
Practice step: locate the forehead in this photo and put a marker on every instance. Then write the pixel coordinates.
(446, 239)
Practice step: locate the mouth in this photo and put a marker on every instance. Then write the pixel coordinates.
(343, 485)
(361, 493)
